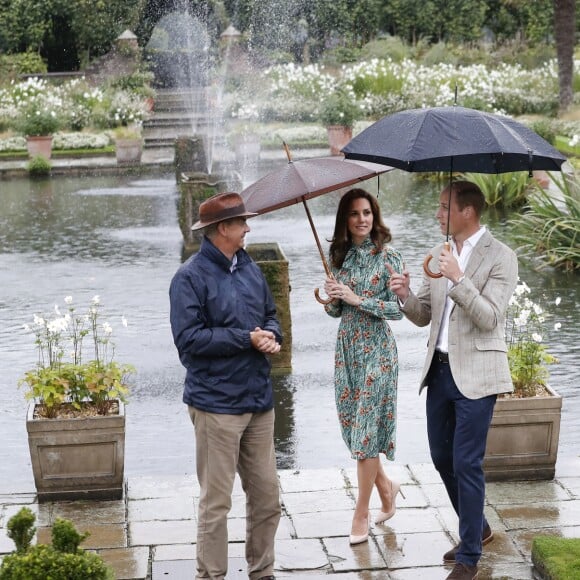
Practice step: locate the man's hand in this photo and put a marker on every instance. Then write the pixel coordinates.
(448, 266)
(399, 284)
(264, 341)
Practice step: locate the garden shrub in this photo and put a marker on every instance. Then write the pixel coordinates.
(340, 55)
(439, 53)
(13, 65)
(387, 47)
(39, 166)
(545, 129)
(63, 560)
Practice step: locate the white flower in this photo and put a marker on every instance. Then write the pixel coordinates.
(38, 320)
(108, 330)
(68, 299)
(557, 326)
(537, 337)
(557, 301)
(96, 299)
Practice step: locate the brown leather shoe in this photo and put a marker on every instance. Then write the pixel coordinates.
(486, 538)
(462, 571)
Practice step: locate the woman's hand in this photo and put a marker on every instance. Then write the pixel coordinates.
(339, 291)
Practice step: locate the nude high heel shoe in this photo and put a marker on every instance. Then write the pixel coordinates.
(384, 516)
(360, 539)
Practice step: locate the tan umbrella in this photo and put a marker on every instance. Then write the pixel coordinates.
(304, 179)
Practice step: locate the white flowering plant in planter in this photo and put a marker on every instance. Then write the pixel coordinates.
(525, 334)
(64, 382)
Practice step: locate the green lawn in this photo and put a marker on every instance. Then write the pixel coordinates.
(563, 144)
(557, 558)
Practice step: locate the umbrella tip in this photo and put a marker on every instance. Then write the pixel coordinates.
(287, 149)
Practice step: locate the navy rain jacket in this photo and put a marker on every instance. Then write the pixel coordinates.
(213, 312)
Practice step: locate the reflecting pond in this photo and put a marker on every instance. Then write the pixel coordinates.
(119, 238)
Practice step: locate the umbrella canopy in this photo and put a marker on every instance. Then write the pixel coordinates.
(301, 180)
(453, 139)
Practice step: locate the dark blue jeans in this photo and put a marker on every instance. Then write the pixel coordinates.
(457, 428)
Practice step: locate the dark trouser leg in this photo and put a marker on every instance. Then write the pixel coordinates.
(457, 429)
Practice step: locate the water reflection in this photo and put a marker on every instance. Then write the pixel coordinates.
(119, 238)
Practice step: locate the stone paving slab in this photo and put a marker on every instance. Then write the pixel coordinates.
(128, 563)
(150, 534)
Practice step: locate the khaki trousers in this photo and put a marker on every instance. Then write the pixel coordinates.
(225, 444)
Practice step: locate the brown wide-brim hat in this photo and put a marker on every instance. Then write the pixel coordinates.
(220, 207)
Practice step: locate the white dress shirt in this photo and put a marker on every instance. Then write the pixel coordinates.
(468, 245)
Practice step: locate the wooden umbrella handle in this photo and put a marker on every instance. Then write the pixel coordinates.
(319, 299)
(428, 258)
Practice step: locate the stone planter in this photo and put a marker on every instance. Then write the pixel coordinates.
(274, 265)
(522, 443)
(338, 137)
(39, 146)
(128, 151)
(80, 458)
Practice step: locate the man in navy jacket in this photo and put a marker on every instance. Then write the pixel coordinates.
(224, 325)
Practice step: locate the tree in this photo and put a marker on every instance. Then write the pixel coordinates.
(565, 33)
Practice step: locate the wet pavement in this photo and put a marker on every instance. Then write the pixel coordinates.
(150, 533)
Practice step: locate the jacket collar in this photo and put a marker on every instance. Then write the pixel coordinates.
(209, 251)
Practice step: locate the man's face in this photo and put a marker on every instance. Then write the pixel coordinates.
(235, 231)
(445, 213)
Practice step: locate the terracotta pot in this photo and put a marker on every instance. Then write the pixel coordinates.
(39, 146)
(338, 137)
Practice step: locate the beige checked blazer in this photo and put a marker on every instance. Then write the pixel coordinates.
(477, 347)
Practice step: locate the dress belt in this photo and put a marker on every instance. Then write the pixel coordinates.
(442, 357)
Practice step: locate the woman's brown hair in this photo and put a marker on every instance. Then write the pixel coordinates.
(342, 240)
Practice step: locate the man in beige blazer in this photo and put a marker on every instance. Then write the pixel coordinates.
(466, 364)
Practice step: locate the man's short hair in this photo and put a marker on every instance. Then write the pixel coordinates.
(469, 194)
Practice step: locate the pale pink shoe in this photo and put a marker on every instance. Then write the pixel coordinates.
(362, 538)
(384, 516)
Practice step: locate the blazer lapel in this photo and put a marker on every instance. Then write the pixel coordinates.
(478, 254)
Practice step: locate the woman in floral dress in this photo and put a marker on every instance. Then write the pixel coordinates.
(366, 364)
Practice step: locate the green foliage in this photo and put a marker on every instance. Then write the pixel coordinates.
(556, 557)
(549, 227)
(38, 121)
(339, 108)
(525, 332)
(507, 190)
(64, 560)
(567, 146)
(13, 65)
(439, 53)
(65, 537)
(39, 166)
(387, 47)
(56, 382)
(545, 129)
(340, 55)
(21, 529)
(138, 82)
(527, 362)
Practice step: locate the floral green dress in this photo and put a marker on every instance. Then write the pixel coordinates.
(366, 363)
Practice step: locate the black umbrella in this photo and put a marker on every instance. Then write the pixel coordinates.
(453, 139)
